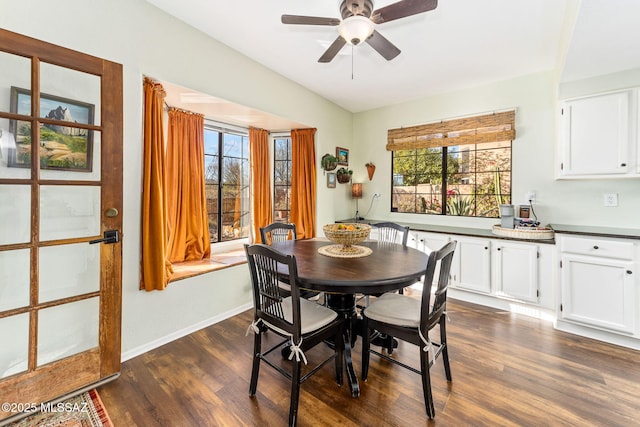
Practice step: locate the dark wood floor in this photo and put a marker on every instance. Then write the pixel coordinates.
(508, 370)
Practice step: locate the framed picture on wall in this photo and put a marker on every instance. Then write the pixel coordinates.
(343, 156)
(331, 180)
(61, 147)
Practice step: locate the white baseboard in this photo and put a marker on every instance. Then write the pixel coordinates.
(183, 332)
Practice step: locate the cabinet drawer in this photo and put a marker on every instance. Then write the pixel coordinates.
(598, 247)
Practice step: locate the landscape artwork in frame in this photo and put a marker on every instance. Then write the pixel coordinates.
(343, 156)
(61, 147)
(331, 180)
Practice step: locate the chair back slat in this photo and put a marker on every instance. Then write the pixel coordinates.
(277, 232)
(267, 278)
(390, 232)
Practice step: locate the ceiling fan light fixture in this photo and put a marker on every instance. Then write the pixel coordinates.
(356, 29)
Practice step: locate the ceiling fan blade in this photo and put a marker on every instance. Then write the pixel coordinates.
(309, 20)
(333, 50)
(402, 9)
(383, 46)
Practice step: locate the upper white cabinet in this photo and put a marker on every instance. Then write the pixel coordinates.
(598, 136)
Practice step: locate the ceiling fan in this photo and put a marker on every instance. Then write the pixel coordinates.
(359, 21)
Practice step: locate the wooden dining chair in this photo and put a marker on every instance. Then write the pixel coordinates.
(277, 232)
(390, 232)
(411, 320)
(281, 232)
(302, 323)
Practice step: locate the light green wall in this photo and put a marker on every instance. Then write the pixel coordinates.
(535, 99)
(149, 42)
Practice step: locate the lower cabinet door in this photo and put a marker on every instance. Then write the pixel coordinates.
(598, 292)
(516, 270)
(471, 269)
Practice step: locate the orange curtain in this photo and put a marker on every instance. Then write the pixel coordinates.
(261, 208)
(155, 268)
(186, 198)
(303, 182)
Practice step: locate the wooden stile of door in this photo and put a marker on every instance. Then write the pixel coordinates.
(60, 222)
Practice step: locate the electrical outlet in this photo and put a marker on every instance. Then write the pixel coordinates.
(530, 197)
(611, 199)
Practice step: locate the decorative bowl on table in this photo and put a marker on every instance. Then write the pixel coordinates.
(347, 235)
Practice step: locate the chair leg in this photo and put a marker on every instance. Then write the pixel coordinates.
(255, 370)
(445, 348)
(426, 384)
(295, 393)
(366, 337)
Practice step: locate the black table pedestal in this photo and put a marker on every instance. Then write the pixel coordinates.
(345, 305)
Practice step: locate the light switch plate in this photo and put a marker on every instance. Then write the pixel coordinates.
(611, 199)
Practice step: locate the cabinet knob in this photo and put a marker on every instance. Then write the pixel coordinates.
(623, 165)
(629, 272)
(596, 247)
(486, 247)
(499, 248)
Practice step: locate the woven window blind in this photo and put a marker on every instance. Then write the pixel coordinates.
(493, 127)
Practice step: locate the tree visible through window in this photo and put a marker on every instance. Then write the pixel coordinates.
(282, 179)
(464, 180)
(226, 160)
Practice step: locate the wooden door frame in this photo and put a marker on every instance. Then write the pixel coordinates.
(29, 386)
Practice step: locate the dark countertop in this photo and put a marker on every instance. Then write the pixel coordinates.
(624, 233)
(446, 229)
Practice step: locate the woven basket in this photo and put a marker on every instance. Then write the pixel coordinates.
(524, 233)
(347, 234)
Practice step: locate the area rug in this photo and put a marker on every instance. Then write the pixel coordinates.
(83, 410)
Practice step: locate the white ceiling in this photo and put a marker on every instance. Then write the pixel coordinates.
(460, 44)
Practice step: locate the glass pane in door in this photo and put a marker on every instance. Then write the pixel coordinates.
(14, 354)
(15, 214)
(16, 72)
(14, 279)
(68, 270)
(67, 329)
(15, 150)
(68, 211)
(72, 157)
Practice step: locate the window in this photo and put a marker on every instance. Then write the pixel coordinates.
(226, 161)
(455, 167)
(466, 180)
(281, 178)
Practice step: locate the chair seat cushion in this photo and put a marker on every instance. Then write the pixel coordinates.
(313, 316)
(395, 309)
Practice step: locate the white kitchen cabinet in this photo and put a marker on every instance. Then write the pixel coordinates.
(597, 136)
(471, 266)
(516, 270)
(427, 242)
(598, 285)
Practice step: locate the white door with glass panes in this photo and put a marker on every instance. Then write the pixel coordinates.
(60, 220)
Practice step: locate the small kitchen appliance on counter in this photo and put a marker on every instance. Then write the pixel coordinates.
(507, 216)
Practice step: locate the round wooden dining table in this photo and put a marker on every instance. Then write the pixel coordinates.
(389, 267)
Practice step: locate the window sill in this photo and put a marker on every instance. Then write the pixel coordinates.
(217, 261)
